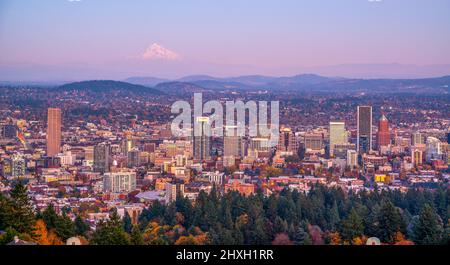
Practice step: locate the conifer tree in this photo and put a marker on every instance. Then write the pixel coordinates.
(428, 228)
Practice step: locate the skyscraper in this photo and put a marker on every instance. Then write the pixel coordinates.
(338, 135)
(133, 157)
(416, 156)
(352, 158)
(313, 142)
(287, 143)
(417, 139)
(433, 149)
(383, 135)
(119, 181)
(364, 129)
(102, 157)
(231, 142)
(127, 143)
(8, 131)
(202, 145)
(53, 131)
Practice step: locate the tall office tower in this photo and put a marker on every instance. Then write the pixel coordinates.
(127, 143)
(287, 142)
(433, 149)
(133, 158)
(383, 135)
(232, 143)
(313, 142)
(338, 134)
(259, 144)
(352, 158)
(53, 131)
(417, 139)
(416, 156)
(89, 153)
(119, 182)
(149, 147)
(364, 129)
(202, 142)
(102, 156)
(13, 167)
(172, 191)
(8, 131)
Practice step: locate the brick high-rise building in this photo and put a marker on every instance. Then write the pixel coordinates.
(287, 142)
(364, 129)
(53, 131)
(383, 135)
(232, 143)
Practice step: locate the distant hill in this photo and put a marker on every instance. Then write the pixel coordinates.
(191, 78)
(145, 81)
(101, 86)
(177, 88)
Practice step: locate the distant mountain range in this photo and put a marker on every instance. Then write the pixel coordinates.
(303, 82)
(297, 83)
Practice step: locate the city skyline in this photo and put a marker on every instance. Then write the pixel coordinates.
(238, 123)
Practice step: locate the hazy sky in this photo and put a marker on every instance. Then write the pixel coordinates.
(76, 39)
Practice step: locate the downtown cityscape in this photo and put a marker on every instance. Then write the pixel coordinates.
(92, 151)
(84, 153)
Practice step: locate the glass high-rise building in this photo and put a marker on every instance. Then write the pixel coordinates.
(364, 129)
(417, 139)
(232, 143)
(102, 156)
(202, 141)
(338, 134)
(119, 182)
(53, 131)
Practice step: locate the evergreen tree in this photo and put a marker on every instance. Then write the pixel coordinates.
(428, 229)
(280, 225)
(170, 215)
(390, 221)
(65, 228)
(441, 204)
(5, 210)
(257, 234)
(50, 217)
(127, 225)
(8, 236)
(301, 237)
(333, 217)
(110, 232)
(352, 226)
(136, 236)
(225, 216)
(20, 214)
(81, 227)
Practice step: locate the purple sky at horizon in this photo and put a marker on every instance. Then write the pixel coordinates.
(115, 39)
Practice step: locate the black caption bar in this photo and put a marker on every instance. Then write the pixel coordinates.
(222, 254)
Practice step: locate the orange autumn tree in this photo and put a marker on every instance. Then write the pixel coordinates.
(400, 239)
(359, 240)
(41, 233)
(186, 240)
(44, 237)
(54, 239)
(335, 238)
